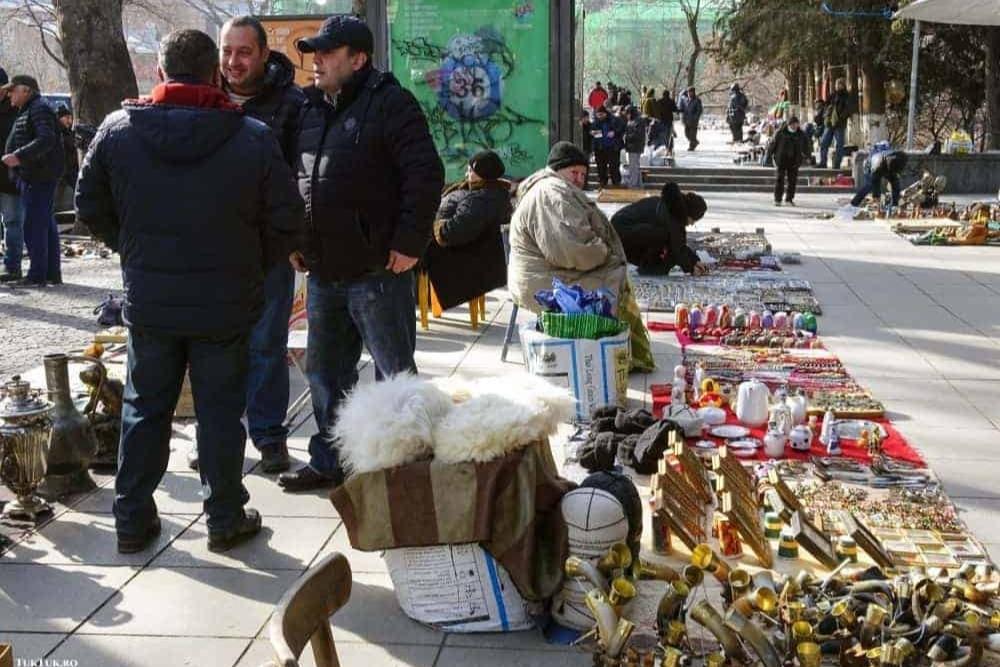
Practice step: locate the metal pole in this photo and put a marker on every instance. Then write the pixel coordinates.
(911, 120)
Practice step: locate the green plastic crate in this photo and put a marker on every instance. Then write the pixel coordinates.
(560, 325)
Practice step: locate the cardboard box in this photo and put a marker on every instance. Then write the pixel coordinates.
(595, 371)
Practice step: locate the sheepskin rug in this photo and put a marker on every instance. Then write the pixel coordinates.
(498, 415)
(406, 419)
(390, 423)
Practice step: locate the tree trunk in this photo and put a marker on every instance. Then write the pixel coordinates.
(97, 60)
(873, 113)
(692, 23)
(993, 88)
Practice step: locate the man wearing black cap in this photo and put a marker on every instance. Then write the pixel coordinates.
(789, 149)
(371, 179)
(557, 232)
(34, 152)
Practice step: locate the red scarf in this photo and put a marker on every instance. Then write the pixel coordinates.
(190, 95)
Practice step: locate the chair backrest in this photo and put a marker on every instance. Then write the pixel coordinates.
(303, 613)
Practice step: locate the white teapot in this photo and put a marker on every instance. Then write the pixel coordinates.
(801, 438)
(799, 406)
(752, 399)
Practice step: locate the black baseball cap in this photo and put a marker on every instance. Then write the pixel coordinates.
(338, 31)
(23, 80)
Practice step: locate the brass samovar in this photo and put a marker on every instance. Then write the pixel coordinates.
(24, 447)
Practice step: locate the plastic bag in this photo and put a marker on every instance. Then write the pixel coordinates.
(573, 299)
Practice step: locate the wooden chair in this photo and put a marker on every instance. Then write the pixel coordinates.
(427, 301)
(302, 616)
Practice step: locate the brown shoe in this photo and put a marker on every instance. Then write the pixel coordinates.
(245, 528)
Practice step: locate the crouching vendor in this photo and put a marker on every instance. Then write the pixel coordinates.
(653, 231)
(557, 232)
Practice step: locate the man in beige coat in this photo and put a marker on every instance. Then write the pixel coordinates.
(557, 232)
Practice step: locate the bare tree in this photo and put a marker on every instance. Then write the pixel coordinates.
(692, 13)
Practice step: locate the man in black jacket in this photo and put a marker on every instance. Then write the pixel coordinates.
(34, 151)
(836, 114)
(263, 83)
(371, 179)
(788, 149)
(193, 265)
(10, 202)
(653, 231)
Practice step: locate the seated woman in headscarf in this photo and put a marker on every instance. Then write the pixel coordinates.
(466, 258)
(557, 232)
(653, 231)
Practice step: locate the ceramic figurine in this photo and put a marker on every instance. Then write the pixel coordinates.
(798, 322)
(711, 315)
(696, 318)
(799, 406)
(827, 430)
(752, 403)
(801, 438)
(740, 318)
(681, 315)
(774, 441)
(767, 320)
(833, 444)
(678, 387)
(699, 378)
(780, 415)
(781, 320)
(753, 320)
(725, 317)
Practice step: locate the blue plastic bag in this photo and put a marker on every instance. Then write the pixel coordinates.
(573, 299)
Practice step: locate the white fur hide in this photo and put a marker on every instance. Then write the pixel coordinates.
(499, 415)
(406, 419)
(390, 423)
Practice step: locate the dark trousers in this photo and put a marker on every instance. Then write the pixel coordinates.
(268, 385)
(781, 175)
(874, 186)
(737, 130)
(155, 371)
(608, 165)
(691, 132)
(41, 236)
(377, 312)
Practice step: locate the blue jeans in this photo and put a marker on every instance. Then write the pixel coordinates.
(41, 235)
(13, 232)
(829, 135)
(155, 372)
(267, 388)
(874, 186)
(377, 312)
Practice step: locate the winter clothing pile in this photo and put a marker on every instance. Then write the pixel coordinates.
(632, 437)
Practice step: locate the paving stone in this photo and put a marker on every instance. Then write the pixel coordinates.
(272, 502)
(178, 493)
(193, 601)
(31, 646)
(351, 653)
(125, 651)
(373, 597)
(360, 561)
(485, 657)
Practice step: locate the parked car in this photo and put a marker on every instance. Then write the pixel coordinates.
(56, 100)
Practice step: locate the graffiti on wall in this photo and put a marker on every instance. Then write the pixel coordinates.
(474, 94)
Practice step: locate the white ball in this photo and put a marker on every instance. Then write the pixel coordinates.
(594, 521)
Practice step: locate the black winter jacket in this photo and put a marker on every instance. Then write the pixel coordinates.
(654, 239)
(7, 116)
(789, 149)
(192, 198)
(70, 157)
(279, 103)
(736, 112)
(635, 136)
(34, 139)
(370, 176)
(467, 256)
(838, 110)
(667, 109)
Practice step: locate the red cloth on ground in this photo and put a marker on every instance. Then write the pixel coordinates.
(895, 445)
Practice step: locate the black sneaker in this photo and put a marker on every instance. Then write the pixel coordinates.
(307, 479)
(245, 528)
(130, 544)
(274, 458)
(10, 277)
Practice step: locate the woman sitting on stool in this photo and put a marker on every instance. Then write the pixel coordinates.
(466, 258)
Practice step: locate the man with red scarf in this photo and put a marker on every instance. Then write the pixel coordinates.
(193, 264)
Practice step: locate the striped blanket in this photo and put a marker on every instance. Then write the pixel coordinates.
(509, 505)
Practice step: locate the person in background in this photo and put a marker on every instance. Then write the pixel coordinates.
(585, 130)
(598, 96)
(371, 179)
(884, 162)
(607, 148)
(736, 112)
(635, 141)
(836, 114)
(35, 153)
(467, 257)
(691, 108)
(788, 150)
(779, 111)
(557, 232)
(193, 264)
(10, 201)
(70, 157)
(649, 104)
(653, 231)
(625, 98)
(262, 83)
(666, 109)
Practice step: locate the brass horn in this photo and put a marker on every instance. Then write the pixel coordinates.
(674, 634)
(693, 576)
(705, 614)
(754, 636)
(648, 570)
(739, 582)
(578, 568)
(704, 558)
(809, 654)
(671, 604)
(622, 592)
(844, 614)
(617, 557)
